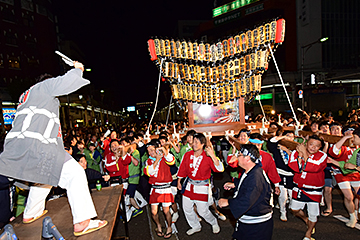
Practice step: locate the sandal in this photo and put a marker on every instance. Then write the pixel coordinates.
(168, 235)
(159, 233)
(35, 218)
(325, 213)
(92, 227)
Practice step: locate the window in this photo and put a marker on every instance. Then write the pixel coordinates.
(30, 41)
(8, 15)
(33, 62)
(14, 62)
(10, 38)
(28, 20)
(41, 10)
(27, 5)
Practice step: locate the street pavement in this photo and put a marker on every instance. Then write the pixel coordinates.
(142, 227)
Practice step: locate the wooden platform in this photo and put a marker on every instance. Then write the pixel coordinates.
(106, 202)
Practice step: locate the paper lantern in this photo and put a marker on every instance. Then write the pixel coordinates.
(280, 31)
(152, 51)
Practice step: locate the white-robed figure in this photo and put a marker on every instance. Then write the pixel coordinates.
(34, 152)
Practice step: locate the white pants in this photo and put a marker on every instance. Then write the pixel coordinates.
(202, 209)
(283, 197)
(313, 208)
(73, 179)
(349, 184)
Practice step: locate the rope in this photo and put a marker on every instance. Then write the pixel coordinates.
(157, 97)
(282, 82)
(167, 118)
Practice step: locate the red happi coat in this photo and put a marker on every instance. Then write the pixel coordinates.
(117, 168)
(310, 176)
(343, 156)
(201, 171)
(162, 172)
(268, 165)
(160, 175)
(106, 146)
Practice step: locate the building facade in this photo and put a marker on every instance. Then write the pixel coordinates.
(325, 71)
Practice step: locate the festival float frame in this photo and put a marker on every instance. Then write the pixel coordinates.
(219, 76)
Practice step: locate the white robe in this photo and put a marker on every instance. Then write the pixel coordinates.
(33, 149)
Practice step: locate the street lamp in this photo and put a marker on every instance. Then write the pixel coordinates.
(304, 49)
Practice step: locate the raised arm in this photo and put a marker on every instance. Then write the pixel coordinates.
(65, 84)
(341, 142)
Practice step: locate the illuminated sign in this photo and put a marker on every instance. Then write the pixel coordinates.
(264, 96)
(231, 6)
(131, 109)
(9, 115)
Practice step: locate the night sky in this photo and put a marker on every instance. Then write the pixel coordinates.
(113, 36)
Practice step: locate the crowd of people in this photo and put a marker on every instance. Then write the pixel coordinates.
(162, 169)
(152, 172)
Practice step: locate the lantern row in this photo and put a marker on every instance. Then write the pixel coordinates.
(244, 66)
(220, 83)
(219, 93)
(272, 32)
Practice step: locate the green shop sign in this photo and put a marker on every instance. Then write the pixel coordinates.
(231, 7)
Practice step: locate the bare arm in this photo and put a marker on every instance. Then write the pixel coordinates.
(303, 155)
(160, 153)
(285, 149)
(232, 159)
(339, 144)
(306, 115)
(229, 185)
(210, 152)
(179, 184)
(351, 166)
(332, 161)
(158, 157)
(134, 161)
(233, 147)
(177, 149)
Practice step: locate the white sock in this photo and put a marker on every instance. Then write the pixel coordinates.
(353, 217)
(352, 222)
